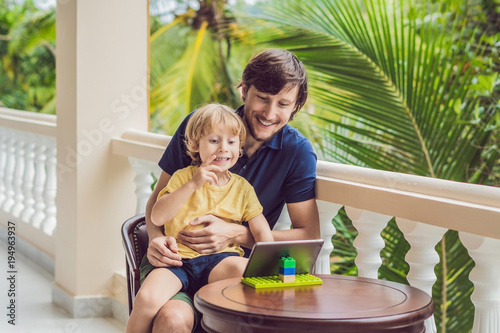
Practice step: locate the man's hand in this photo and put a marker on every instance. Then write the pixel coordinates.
(214, 237)
(162, 252)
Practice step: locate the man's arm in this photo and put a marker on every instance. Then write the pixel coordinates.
(305, 220)
(218, 234)
(159, 250)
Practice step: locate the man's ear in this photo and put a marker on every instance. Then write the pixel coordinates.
(243, 92)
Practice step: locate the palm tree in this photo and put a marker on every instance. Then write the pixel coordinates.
(192, 63)
(392, 87)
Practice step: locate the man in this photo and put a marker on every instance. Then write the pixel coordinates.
(278, 161)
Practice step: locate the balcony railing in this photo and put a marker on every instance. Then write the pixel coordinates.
(28, 174)
(424, 208)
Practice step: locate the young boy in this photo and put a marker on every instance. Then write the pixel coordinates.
(214, 140)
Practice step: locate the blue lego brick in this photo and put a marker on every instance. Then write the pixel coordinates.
(287, 270)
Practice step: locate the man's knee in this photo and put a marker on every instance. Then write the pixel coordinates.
(175, 316)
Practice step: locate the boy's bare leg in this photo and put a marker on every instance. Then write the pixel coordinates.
(159, 286)
(175, 316)
(228, 268)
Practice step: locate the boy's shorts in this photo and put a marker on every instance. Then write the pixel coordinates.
(193, 275)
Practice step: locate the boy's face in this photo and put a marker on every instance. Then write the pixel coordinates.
(266, 114)
(222, 143)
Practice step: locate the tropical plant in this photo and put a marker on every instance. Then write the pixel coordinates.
(27, 50)
(394, 86)
(192, 63)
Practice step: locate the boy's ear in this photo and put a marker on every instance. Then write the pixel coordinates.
(193, 147)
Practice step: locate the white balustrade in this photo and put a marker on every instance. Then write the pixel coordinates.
(39, 183)
(369, 242)
(28, 190)
(143, 181)
(486, 279)
(28, 178)
(3, 163)
(10, 161)
(18, 174)
(49, 195)
(327, 211)
(422, 257)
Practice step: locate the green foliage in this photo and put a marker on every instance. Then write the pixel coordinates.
(27, 50)
(195, 59)
(407, 87)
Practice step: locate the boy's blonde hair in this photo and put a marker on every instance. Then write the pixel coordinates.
(205, 120)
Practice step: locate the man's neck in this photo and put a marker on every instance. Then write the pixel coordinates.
(251, 145)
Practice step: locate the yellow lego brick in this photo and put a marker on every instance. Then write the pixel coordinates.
(287, 278)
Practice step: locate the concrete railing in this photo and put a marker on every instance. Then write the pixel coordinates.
(424, 208)
(28, 171)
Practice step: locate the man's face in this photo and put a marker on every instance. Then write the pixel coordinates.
(266, 114)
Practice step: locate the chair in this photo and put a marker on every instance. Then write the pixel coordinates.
(135, 242)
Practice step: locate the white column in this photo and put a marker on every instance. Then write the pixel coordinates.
(102, 90)
(486, 278)
(18, 174)
(39, 183)
(143, 181)
(327, 211)
(422, 257)
(3, 162)
(10, 164)
(49, 223)
(28, 179)
(369, 242)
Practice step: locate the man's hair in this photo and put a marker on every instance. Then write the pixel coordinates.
(205, 120)
(272, 70)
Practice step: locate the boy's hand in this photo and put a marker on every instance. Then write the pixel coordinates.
(206, 173)
(162, 252)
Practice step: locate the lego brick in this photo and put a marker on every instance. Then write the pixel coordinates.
(275, 282)
(287, 270)
(287, 278)
(287, 262)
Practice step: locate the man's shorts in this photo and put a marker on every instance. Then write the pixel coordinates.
(193, 275)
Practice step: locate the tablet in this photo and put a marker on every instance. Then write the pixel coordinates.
(265, 256)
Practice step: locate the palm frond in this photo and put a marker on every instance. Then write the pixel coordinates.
(390, 88)
(391, 73)
(190, 81)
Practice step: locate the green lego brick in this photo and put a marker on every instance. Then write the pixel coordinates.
(275, 282)
(287, 262)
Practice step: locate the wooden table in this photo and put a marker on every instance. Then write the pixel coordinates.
(341, 304)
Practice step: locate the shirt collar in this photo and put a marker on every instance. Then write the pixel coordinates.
(276, 141)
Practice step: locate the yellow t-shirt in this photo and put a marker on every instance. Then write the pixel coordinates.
(234, 202)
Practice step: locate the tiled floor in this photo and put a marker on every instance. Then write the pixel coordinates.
(34, 309)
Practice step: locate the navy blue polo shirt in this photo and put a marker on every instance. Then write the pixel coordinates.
(282, 170)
